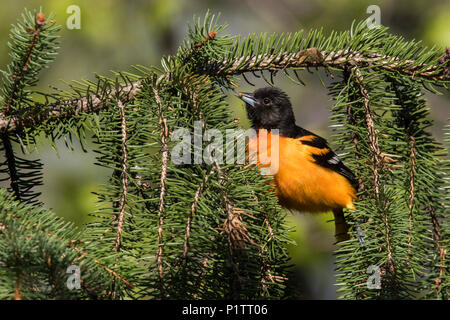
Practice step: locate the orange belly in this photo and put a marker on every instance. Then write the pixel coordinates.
(301, 184)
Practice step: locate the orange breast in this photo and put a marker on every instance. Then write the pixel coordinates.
(301, 184)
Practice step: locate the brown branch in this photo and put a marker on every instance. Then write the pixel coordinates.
(306, 58)
(442, 250)
(377, 157)
(66, 108)
(312, 57)
(233, 225)
(265, 269)
(372, 131)
(165, 156)
(411, 200)
(192, 212)
(230, 214)
(123, 199)
(17, 295)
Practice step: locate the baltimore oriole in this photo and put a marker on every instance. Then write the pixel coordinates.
(310, 176)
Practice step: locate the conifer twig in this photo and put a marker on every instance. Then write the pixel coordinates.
(211, 36)
(377, 160)
(192, 212)
(372, 131)
(412, 179)
(310, 57)
(442, 250)
(40, 22)
(229, 211)
(265, 268)
(124, 174)
(66, 108)
(164, 131)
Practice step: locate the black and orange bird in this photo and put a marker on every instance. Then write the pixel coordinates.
(310, 177)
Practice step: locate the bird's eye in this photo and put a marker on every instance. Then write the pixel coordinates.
(266, 100)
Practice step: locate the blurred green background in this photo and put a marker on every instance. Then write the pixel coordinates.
(116, 34)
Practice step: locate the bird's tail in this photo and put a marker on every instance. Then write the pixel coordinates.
(341, 226)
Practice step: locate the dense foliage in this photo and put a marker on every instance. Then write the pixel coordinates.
(212, 229)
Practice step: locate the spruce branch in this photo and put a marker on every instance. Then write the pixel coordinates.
(234, 234)
(307, 58)
(265, 271)
(312, 57)
(371, 130)
(216, 230)
(164, 132)
(211, 36)
(37, 247)
(423, 183)
(441, 249)
(412, 178)
(58, 110)
(21, 71)
(197, 195)
(84, 254)
(124, 174)
(33, 46)
(233, 225)
(377, 158)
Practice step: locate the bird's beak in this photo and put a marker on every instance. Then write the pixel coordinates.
(247, 98)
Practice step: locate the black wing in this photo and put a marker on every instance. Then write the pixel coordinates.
(329, 159)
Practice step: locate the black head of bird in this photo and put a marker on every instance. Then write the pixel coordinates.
(269, 108)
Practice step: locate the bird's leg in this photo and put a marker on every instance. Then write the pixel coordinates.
(341, 227)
